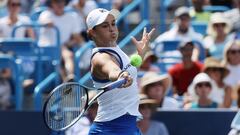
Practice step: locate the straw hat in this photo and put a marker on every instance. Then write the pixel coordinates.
(218, 17)
(150, 54)
(153, 77)
(211, 62)
(145, 100)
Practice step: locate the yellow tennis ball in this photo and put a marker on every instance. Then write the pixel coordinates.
(136, 60)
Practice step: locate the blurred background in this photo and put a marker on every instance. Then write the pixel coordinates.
(192, 69)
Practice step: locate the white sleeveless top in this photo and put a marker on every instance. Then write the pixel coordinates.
(119, 101)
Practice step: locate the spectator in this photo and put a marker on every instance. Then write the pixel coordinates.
(14, 18)
(69, 34)
(199, 90)
(5, 93)
(119, 4)
(217, 72)
(146, 125)
(238, 96)
(82, 126)
(181, 29)
(83, 7)
(197, 13)
(218, 35)
(7, 24)
(156, 87)
(184, 72)
(148, 62)
(233, 16)
(232, 62)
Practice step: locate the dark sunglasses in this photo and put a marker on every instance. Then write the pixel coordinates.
(206, 84)
(15, 4)
(215, 69)
(235, 51)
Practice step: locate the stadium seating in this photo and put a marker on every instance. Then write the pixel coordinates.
(200, 27)
(7, 61)
(165, 50)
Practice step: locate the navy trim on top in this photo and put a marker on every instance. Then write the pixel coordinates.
(109, 51)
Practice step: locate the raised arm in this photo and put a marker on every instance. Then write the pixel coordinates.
(143, 45)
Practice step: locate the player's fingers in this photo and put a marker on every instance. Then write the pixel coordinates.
(129, 82)
(128, 78)
(134, 40)
(151, 32)
(144, 31)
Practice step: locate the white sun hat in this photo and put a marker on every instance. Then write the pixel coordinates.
(218, 17)
(201, 77)
(99, 15)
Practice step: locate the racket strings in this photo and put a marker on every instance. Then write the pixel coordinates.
(65, 105)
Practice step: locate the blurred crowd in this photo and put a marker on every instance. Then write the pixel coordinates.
(203, 71)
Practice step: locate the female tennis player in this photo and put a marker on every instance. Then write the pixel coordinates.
(118, 108)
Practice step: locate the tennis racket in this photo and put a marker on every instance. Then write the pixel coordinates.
(68, 102)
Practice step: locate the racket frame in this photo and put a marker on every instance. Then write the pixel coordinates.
(88, 103)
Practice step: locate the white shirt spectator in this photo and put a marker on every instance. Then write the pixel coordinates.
(66, 23)
(233, 77)
(173, 34)
(170, 103)
(6, 29)
(234, 17)
(88, 7)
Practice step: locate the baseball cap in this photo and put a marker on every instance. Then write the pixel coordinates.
(99, 15)
(181, 11)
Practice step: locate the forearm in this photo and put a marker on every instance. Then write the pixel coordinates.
(114, 74)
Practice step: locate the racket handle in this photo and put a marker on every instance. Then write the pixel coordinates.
(115, 84)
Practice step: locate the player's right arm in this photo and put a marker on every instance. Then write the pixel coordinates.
(105, 66)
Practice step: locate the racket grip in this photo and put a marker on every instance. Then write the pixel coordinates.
(116, 84)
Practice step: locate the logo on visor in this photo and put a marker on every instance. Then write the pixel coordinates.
(102, 10)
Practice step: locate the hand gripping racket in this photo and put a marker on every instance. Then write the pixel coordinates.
(68, 102)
